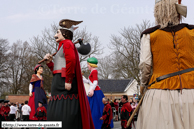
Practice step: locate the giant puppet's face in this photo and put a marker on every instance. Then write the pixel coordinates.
(89, 67)
(40, 70)
(58, 36)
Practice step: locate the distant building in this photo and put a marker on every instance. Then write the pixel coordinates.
(17, 98)
(114, 89)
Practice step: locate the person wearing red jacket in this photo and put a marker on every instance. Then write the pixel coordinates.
(40, 112)
(5, 109)
(1, 112)
(126, 112)
(68, 102)
(107, 114)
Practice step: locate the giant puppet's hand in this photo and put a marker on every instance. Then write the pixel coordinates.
(48, 58)
(90, 93)
(30, 94)
(68, 86)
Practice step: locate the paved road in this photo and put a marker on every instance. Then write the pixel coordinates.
(117, 125)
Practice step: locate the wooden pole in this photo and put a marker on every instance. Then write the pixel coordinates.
(136, 110)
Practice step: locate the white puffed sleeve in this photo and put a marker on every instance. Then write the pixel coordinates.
(93, 85)
(145, 64)
(30, 88)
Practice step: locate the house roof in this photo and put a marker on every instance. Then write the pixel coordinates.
(114, 86)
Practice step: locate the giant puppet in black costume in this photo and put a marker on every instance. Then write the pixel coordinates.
(68, 102)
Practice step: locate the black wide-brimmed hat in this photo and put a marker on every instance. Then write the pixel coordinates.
(39, 101)
(6, 101)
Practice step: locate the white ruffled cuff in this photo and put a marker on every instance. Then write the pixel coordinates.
(93, 85)
(30, 88)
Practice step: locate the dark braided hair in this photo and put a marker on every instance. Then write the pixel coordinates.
(67, 34)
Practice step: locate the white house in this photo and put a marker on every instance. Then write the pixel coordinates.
(113, 88)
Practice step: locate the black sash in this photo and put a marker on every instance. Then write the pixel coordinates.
(171, 75)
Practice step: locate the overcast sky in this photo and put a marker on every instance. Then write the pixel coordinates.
(23, 19)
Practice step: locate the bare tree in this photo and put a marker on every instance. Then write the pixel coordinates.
(3, 55)
(45, 43)
(4, 47)
(126, 48)
(18, 62)
(105, 67)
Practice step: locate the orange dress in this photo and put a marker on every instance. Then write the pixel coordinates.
(169, 58)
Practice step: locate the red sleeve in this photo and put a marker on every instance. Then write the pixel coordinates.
(69, 53)
(2, 109)
(130, 108)
(8, 109)
(95, 75)
(105, 111)
(45, 110)
(108, 111)
(104, 117)
(50, 65)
